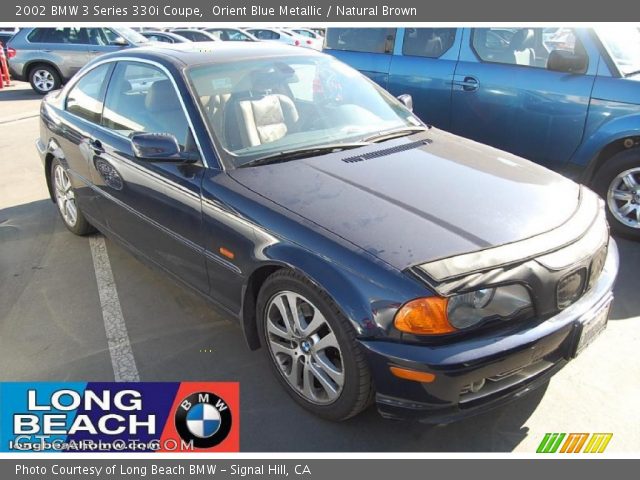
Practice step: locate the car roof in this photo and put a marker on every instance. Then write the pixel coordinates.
(197, 53)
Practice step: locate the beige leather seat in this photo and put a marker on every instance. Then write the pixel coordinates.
(257, 120)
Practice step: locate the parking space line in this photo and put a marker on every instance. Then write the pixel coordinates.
(122, 359)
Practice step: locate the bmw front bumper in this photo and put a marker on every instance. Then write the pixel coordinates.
(507, 365)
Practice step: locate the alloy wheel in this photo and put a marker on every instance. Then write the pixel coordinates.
(304, 347)
(65, 197)
(623, 197)
(43, 80)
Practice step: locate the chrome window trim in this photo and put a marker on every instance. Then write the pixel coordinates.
(161, 67)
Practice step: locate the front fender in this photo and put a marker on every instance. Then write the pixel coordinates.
(607, 123)
(368, 304)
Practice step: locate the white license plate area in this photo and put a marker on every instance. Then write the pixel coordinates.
(591, 327)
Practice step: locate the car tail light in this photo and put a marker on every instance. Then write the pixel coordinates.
(11, 52)
(309, 42)
(297, 43)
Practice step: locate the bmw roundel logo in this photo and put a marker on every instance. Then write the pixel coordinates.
(204, 419)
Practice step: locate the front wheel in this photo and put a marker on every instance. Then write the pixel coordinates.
(312, 347)
(618, 182)
(66, 200)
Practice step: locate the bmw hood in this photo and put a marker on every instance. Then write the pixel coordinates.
(419, 198)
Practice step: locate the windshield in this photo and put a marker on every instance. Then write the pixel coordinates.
(131, 35)
(623, 44)
(257, 108)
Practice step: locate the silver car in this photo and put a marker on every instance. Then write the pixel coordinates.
(48, 57)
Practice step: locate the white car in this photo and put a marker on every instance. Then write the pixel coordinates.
(280, 35)
(313, 39)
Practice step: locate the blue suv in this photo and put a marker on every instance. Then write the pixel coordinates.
(567, 98)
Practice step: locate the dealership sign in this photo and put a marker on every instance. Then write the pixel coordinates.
(119, 417)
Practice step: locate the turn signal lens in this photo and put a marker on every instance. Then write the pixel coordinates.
(424, 316)
(407, 374)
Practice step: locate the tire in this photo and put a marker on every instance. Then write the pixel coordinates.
(44, 78)
(618, 182)
(356, 391)
(65, 198)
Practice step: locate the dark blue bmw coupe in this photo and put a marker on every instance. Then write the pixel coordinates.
(372, 257)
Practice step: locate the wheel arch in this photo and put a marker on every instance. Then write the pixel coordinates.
(53, 152)
(35, 62)
(612, 148)
(337, 283)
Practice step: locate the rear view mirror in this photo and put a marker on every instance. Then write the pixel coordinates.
(569, 62)
(406, 100)
(159, 147)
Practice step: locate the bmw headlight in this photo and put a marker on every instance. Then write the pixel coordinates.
(467, 309)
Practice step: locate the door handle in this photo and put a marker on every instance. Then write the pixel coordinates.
(468, 84)
(96, 146)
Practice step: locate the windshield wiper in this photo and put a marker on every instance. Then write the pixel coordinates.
(395, 133)
(287, 155)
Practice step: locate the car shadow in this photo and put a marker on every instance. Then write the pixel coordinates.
(14, 93)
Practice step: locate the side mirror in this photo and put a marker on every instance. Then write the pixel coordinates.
(569, 62)
(159, 147)
(406, 100)
(120, 42)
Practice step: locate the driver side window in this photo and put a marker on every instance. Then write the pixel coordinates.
(141, 98)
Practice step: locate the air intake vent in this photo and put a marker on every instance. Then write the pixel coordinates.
(387, 151)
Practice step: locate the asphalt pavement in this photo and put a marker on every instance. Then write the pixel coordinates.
(52, 329)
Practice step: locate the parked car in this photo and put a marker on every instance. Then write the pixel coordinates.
(276, 35)
(163, 37)
(48, 57)
(374, 258)
(313, 39)
(194, 34)
(231, 35)
(567, 98)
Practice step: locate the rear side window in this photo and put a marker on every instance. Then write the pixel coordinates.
(68, 35)
(85, 98)
(194, 36)
(265, 34)
(428, 42)
(158, 38)
(141, 98)
(373, 40)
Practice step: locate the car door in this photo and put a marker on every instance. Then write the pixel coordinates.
(368, 50)
(66, 47)
(153, 207)
(77, 122)
(505, 96)
(423, 66)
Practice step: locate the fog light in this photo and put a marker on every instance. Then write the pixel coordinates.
(474, 387)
